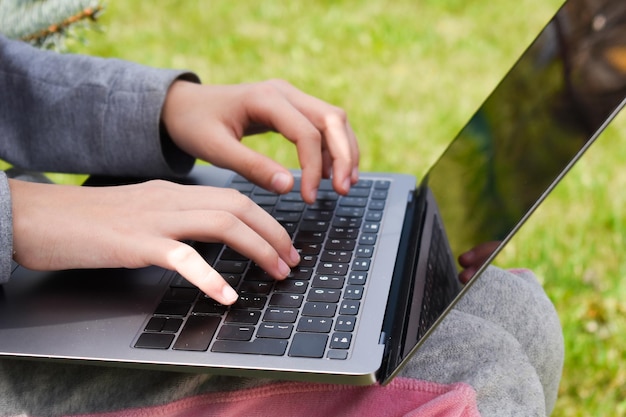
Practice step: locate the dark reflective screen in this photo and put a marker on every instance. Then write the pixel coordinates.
(542, 115)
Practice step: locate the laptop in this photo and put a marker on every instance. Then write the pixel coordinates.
(379, 268)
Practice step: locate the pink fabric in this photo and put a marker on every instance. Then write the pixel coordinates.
(402, 397)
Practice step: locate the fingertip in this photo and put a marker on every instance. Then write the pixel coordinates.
(229, 295)
(281, 182)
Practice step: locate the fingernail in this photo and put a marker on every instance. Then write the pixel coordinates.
(280, 182)
(294, 256)
(229, 294)
(313, 194)
(283, 268)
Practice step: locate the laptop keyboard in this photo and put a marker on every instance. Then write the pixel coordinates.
(312, 313)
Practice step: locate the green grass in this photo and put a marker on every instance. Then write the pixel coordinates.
(410, 73)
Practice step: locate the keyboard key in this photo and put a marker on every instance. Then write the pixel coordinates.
(343, 233)
(197, 333)
(367, 239)
(232, 267)
(332, 268)
(275, 330)
(350, 212)
(291, 286)
(286, 300)
(328, 281)
(259, 346)
(353, 292)
(337, 354)
(281, 315)
(154, 340)
(314, 226)
(319, 309)
(163, 324)
(314, 324)
(336, 256)
(340, 244)
(361, 264)
(340, 341)
(357, 278)
(348, 222)
(249, 301)
(230, 332)
(256, 287)
(243, 316)
(179, 309)
(208, 306)
(345, 323)
(324, 295)
(308, 345)
(353, 202)
(349, 307)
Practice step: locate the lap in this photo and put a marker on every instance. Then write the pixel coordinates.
(503, 339)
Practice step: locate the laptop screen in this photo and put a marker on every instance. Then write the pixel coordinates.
(545, 112)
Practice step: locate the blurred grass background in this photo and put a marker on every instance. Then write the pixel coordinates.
(410, 73)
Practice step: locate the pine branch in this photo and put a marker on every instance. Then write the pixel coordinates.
(45, 23)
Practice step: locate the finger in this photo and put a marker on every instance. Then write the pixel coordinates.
(271, 108)
(222, 210)
(187, 262)
(338, 135)
(224, 227)
(228, 152)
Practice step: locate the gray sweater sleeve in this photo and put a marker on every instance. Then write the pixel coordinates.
(73, 113)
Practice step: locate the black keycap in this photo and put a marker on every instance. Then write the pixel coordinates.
(291, 286)
(308, 345)
(286, 300)
(349, 307)
(336, 256)
(345, 323)
(154, 340)
(347, 222)
(340, 244)
(260, 346)
(357, 278)
(197, 333)
(280, 315)
(324, 295)
(361, 264)
(173, 309)
(332, 268)
(256, 287)
(208, 306)
(343, 233)
(314, 226)
(243, 316)
(353, 292)
(328, 281)
(319, 309)
(340, 341)
(231, 267)
(315, 324)
(230, 332)
(275, 330)
(249, 301)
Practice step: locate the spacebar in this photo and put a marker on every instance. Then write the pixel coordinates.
(257, 347)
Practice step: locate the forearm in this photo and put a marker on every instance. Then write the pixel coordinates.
(75, 113)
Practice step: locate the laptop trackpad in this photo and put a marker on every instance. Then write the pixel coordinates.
(50, 299)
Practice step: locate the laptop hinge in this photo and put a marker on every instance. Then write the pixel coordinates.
(400, 295)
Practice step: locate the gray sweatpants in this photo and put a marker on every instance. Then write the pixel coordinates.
(504, 339)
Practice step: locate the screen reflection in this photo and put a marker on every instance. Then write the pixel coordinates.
(542, 115)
